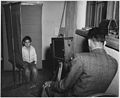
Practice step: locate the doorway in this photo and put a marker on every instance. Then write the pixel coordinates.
(31, 20)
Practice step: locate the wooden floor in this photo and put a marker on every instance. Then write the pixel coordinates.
(8, 89)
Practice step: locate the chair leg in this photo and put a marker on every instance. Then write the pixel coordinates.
(14, 77)
(20, 76)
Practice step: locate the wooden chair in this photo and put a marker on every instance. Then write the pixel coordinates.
(20, 74)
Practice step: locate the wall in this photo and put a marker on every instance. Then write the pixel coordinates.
(51, 18)
(81, 14)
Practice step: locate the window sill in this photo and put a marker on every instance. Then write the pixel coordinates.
(112, 42)
(82, 32)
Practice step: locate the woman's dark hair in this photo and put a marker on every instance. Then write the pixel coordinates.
(96, 34)
(26, 38)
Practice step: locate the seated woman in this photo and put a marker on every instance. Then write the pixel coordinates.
(30, 59)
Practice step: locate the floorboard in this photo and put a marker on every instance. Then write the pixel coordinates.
(8, 89)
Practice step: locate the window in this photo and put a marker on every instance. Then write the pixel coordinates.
(97, 12)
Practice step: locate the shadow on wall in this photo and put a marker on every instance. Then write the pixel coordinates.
(48, 62)
(85, 46)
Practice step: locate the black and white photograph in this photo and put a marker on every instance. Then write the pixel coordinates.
(59, 48)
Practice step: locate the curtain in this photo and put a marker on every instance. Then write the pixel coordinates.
(2, 35)
(100, 12)
(90, 14)
(96, 12)
(113, 11)
(16, 27)
(7, 10)
(117, 12)
(12, 18)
